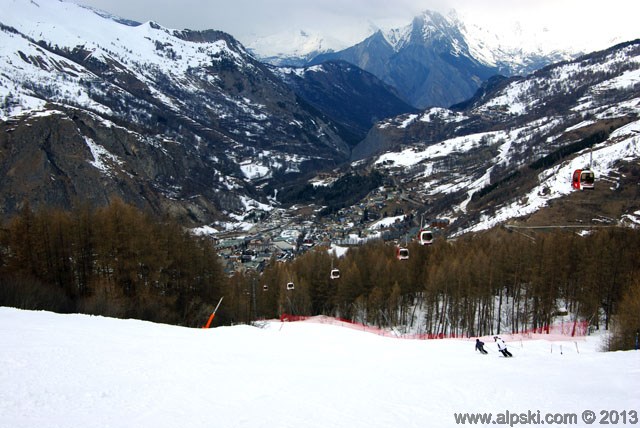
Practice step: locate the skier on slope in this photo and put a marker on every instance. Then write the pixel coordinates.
(502, 347)
(480, 346)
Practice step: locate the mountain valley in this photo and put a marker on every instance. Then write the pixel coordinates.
(192, 125)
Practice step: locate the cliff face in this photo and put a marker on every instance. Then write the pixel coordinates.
(68, 157)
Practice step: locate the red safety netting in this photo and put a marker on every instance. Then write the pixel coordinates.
(568, 328)
(559, 331)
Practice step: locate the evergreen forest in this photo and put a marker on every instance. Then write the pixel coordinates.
(118, 261)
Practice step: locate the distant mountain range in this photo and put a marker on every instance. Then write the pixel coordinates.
(436, 60)
(294, 48)
(192, 125)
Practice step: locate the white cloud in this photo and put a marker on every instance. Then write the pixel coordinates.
(604, 22)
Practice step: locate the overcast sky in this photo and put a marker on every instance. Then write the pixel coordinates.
(348, 20)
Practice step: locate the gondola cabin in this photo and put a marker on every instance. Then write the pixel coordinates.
(425, 237)
(402, 253)
(290, 286)
(583, 179)
(335, 274)
(265, 287)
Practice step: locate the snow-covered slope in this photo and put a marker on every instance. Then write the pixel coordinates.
(514, 49)
(147, 51)
(559, 119)
(199, 97)
(77, 370)
(623, 145)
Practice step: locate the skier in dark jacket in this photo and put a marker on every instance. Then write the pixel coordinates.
(480, 346)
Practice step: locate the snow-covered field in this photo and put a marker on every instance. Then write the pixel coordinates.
(84, 371)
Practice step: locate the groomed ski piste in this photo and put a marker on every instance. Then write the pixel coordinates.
(89, 371)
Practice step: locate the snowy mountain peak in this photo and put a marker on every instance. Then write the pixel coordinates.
(430, 22)
(425, 27)
(293, 47)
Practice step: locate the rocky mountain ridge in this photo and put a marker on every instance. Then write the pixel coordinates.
(347, 94)
(197, 100)
(512, 148)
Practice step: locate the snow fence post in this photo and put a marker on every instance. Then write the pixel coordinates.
(213, 314)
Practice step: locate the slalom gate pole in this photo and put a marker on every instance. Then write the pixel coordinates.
(213, 314)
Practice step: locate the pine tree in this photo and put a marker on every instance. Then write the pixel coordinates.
(626, 328)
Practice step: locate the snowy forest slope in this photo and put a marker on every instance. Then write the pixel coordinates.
(511, 149)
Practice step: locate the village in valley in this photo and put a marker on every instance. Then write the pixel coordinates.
(279, 234)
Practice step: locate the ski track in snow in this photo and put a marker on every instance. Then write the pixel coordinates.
(88, 371)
